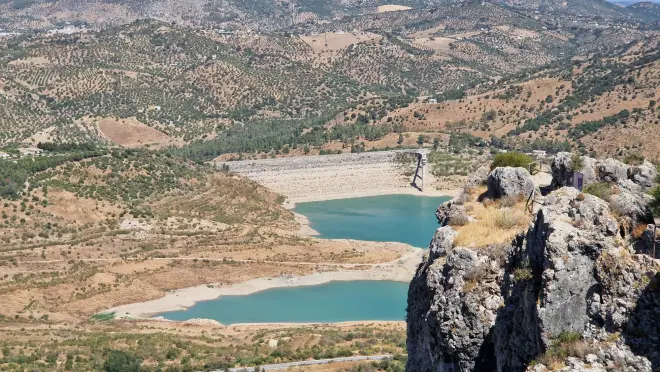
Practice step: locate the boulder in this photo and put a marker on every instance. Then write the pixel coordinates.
(562, 170)
(478, 178)
(509, 181)
(643, 175)
(610, 170)
(447, 210)
(442, 242)
(631, 203)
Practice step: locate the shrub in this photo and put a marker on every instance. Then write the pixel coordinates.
(511, 159)
(508, 218)
(576, 162)
(655, 204)
(566, 344)
(602, 190)
(522, 273)
(121, 361)
(633, 159)
(103, 316)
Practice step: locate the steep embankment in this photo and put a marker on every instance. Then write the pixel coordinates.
(574, 292)
(325, 177)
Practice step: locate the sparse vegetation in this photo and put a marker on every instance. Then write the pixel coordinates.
(523, 272)
(577, 163)
(566, 344)
(511, 159)
(492, 225)
(603, 190)
(508, 218)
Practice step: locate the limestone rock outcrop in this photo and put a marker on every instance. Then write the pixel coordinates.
(510, 181)
(478, 178)
(562, 169)
(450, 209)
(610, 170)
(643, 175)
(607, 170)
(571, 275)
(628, 199)
(451, 329)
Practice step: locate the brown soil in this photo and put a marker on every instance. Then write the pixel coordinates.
(131, 133)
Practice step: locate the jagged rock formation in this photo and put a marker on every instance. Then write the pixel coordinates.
(570, 292)
(608, 170)
(450, 209)
(457, 321)
(628, 199)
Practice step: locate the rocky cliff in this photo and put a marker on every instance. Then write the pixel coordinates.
(568, 293)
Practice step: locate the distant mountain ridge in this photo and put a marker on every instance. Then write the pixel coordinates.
(254, 14)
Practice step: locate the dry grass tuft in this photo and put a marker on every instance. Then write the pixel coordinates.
(508, 218)
(488, 202)
(509, 201)
(493, 225)
(567, 344)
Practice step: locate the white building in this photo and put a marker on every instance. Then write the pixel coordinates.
(30, 151)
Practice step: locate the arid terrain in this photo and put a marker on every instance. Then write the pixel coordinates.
(67, 257)
(150, 151)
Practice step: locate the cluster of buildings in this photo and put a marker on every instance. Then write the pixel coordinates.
(22, 152)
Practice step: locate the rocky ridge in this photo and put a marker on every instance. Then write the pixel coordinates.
(571, 293)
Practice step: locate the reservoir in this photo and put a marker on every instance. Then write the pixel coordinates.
(390, 218)
(325, 303)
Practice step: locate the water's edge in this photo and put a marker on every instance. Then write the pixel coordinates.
(401, 270)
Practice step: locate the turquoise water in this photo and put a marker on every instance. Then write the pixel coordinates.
(325, 303)
(397, 218)
(388, 218)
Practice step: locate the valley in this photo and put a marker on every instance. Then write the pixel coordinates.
(210, 185)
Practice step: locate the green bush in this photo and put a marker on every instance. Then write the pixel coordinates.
(521, 274)
(576, 162)
(602, 190)
(655, 204)
(511, 159)
(633, 159)
(103, 316)
(121, 361)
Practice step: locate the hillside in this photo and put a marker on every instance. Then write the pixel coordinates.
(83, 230)
(151, 84)
(604, 105)
(251, 14)
(645, 10)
